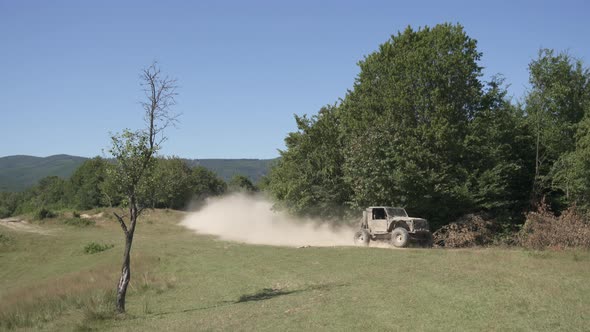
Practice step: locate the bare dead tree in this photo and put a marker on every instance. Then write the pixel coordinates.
(135, 153)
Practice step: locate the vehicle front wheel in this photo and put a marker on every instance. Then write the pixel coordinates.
(362, 238)
(400, 237)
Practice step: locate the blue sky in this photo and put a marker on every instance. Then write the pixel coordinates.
(69, 69)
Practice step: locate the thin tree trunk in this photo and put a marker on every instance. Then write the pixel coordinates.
(126, 267)
(125, 275)
(536, 185)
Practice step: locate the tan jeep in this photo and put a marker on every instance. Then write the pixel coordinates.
(383, 223)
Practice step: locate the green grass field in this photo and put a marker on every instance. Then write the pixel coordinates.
(185, 282)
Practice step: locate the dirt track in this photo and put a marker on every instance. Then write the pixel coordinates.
(22, 226)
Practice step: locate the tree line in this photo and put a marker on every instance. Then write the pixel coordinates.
(173, 184)
(421, 129)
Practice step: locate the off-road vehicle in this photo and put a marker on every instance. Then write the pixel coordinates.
(383, 223)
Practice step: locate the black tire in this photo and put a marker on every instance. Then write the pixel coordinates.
(400, 237)
(362, 238)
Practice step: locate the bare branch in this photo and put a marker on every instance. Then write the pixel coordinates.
(122, 223)
(160, 95)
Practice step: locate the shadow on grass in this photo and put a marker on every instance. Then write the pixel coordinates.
(261, 295)
(265, 294)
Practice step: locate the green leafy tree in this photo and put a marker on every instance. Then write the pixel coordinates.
(406, 121)
(134, 153)
(172, 183)
(205, 183)
(9, 203)
(51, 192)
(572, 170)
(241, 183)
(308, 178)
(556, 103)
(500, 161)
(86, 183)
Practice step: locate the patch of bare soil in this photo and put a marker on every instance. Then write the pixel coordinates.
(92, 216)
(21, 225)
(469, 231)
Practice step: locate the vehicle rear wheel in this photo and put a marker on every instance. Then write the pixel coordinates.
(362, 238)
(400, 237)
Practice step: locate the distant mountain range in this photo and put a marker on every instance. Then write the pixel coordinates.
(18, 173)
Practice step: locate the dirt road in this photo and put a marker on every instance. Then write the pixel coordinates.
(22, 226)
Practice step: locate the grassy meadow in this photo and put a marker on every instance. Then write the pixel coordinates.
(58, 276)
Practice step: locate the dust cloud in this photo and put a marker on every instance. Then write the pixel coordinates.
(251, 219)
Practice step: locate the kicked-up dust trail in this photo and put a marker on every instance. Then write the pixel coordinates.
(251, 219)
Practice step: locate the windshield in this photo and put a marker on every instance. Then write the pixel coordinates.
(396, 212)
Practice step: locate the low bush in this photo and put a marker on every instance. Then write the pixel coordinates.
(78, 222)
(4, 212)
(44, 213)
(93, 247)
(543, 229)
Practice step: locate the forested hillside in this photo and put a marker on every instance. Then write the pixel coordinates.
(18, 173)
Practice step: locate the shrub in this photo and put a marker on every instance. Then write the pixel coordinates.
(542, 229)
(78, 222)
(44, 213)
(93, 247)
(4, 239)
(75, 214)
(4, 212)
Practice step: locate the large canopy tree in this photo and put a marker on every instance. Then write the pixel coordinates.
(418, 129)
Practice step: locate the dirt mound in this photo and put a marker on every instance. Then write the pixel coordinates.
(469, 231)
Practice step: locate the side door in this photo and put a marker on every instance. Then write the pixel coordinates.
(377, 220)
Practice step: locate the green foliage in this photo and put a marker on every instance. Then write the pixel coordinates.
(308, 178)
(501, 166)
(132, 174)
(172, 183)
(398, 138)
(241, 183)
(559, 97)
(205, 183)
(79, 222)
(408, 116)
(9, 203)
(571, 173)
(86, 183)
(93, 247)
(44, 213)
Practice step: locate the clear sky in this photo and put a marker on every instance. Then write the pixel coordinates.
(69, 69)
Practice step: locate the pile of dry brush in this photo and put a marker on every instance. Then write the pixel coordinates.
(469, 231)
(542, 229)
